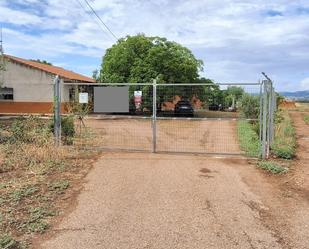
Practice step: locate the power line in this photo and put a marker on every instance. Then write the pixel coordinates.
(95, 13)
(97, 22)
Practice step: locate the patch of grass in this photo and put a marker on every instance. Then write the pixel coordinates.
(59, 186)
(25, 191)
(306, 119)
(248, 138)
(272, 167)
(284, 145)
(37, 220)
(33, 175)
(7, 242)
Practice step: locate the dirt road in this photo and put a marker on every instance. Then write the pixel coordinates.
(155, 201)
(162, 201)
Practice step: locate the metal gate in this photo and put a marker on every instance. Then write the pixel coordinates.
(220, 122)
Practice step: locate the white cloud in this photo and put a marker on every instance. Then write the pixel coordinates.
(237, 39)
(304, 84)
(18, 17)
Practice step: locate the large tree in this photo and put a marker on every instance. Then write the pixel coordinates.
(142, 59)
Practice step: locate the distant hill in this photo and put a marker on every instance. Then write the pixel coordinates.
(299, 95)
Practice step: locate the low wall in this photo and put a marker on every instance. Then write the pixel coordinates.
(28, 107)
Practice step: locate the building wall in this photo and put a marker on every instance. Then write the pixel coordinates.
(29, 107)
(30, 84)
(32, 90)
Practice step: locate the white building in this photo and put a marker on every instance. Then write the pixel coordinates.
(27, 86)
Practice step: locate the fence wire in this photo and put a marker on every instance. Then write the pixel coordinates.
(215, 125)
(195, 118)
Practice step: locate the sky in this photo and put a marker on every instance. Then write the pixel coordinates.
(236, 39)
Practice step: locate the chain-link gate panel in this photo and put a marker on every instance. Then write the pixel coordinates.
(118, 129)
(207, 118)
(194, 118)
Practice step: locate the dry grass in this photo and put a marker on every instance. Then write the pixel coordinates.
(33, 175)
(285, 139)
(302, 106)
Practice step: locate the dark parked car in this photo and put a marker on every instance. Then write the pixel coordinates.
(215, 107)
(184, 108)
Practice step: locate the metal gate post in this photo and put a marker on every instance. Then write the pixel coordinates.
(264, 124)
(269, 116)
(57, 111)
(261, 111)
(272, 113)
(154, 116)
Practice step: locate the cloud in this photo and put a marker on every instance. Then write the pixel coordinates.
(304, 84)
(236, 39)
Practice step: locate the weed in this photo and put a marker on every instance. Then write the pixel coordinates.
(306, 119)
(284, 145)
(272, 167)
(3, 185)
(59, 186)
(30, 161)
(36, 222)
(7, 242)
(67, 129)
(248, 138)
(56, 164)
(284, 151)
(18, 194)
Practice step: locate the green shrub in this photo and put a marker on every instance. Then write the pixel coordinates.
(283, 151)
(306, 119)
(67, 126)
(67, 129)
(272, 167)
(250, 106)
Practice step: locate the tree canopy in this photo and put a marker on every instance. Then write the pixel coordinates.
(142, 59)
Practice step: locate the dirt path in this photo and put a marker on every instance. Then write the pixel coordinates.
(301, 172)
(201, 136)
(161, 201)
(142, 200)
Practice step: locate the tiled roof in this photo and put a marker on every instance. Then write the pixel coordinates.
(66, 74)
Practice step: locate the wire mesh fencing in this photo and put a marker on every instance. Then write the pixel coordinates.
(212, 124)
(193, 118)
(130, 129)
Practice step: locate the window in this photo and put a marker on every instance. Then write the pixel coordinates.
(6, 93)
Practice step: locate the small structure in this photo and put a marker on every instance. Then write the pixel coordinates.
(27, 86)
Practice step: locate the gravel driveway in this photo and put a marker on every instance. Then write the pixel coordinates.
(154, 201)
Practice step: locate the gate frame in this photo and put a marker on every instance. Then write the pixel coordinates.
(266, 115)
